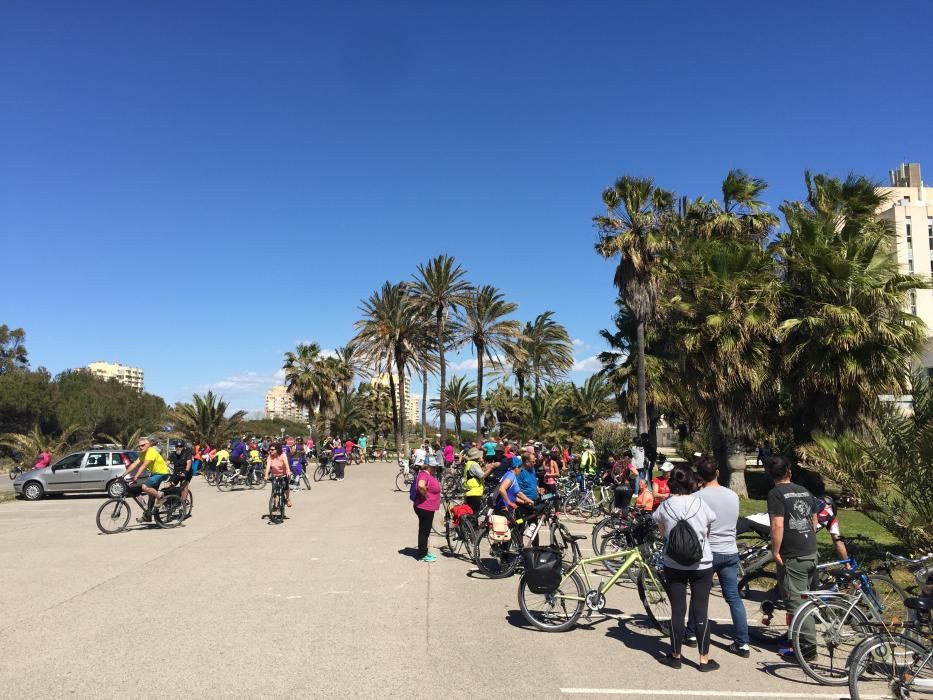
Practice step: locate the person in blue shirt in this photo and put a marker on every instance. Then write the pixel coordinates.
(528, 478)
(510, 492)
(239, 455)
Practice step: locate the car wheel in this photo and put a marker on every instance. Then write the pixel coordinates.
(33, 491)
(116, 488)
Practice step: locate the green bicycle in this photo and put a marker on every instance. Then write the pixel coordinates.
(559, 610)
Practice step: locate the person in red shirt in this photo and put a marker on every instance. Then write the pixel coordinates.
(660, 485)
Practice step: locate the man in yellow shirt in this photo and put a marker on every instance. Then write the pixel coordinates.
(149, 458)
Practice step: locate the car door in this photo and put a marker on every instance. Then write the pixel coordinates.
(65, 474)
(96, 471)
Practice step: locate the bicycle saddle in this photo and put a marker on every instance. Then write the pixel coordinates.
(924, 604)
(848, 575)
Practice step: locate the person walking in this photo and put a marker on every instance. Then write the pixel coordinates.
(427, 501)
(339, 455)
(725, 504)
(685, 521)
(793, 512)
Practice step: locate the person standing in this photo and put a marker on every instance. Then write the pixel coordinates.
(339, 455)
(793, 512)
(528, 478)
(765, 453)
(363, 442)
(474, 478)
(448, 455)
(427, 501)
(660, 486)
(725, 504)
(684, 507)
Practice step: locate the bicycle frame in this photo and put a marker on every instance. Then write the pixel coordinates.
(628, 558)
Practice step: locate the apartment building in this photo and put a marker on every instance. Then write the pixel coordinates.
(131, 376)
(280, 404)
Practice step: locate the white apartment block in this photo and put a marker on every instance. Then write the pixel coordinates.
(280, 404)
(910, 212)
(131, 376)
(412, 405)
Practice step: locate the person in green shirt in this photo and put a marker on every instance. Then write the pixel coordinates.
(363, 442)
(149, 458)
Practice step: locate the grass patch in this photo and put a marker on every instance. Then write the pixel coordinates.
(7, 496)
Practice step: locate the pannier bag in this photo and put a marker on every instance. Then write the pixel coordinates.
(542, 569)
(459, 511)
(499, 529)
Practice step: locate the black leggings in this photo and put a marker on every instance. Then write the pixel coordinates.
(700, 581)
(340, 468)
(475, 502)
(425, 520)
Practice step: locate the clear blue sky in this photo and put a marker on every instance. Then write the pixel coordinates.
(192, 187)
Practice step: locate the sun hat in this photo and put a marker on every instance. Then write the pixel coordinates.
(667, 467)
(474, 453)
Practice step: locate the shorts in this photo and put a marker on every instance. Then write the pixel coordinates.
(155, 481)
(181, 476)
(833, 527)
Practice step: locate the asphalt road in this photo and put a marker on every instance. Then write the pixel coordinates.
(328, 604)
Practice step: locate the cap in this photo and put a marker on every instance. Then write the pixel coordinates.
(516, 462)
(474, 453)
(667, 467)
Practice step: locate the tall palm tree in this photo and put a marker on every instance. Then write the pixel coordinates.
(549, 350)
(590, 403)
(299, 369)
(485, 327)
(845, 336)
(351, 364)
(441, 286)
(634, 228)
(460, 397)
(330, 380)
(206, 419)
(390, 335)
(349, 417)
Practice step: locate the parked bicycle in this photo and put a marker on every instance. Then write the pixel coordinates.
(114, 514)
(232, 478)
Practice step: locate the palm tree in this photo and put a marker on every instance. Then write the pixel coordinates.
(29, 445)
(590, 404)
(330, 380)
(206, 421)
(488, 332)
(392, 333)
(549, 350)
(442, 288)
(351, 364)
(349, 417)
(299, 369)
(845, 336)
(635, 229)
(460, 397)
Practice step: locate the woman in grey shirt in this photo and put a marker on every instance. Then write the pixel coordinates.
(684, 505)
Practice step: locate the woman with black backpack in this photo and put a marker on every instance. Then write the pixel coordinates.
(685, 521)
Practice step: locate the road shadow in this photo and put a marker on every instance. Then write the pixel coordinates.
(786, 671)
(409, 552)
(653, 646)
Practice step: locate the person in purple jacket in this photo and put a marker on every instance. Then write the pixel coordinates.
(339, 455)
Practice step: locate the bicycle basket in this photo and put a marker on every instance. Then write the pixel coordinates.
(542, 569)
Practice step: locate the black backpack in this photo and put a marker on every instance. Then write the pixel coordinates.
(683, 545)
(542, 569)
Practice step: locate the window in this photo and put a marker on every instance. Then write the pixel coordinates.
(910, 266)
(910, 242)
(97, 459)
(70, 462)
(116, 459)
(930, 232)
(913, 301)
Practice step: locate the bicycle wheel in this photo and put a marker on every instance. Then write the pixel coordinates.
(403, 481)
(467, 535)
(189, 503)
(254, 480)
(602, 528)
(319, 472)
(281, 507)
(824, 633)
(113, 516)
(454, 536)
(495, 559)
(612, 542)
(654, 599)
(767, 618)
(556, 611)
(586, 508)
(224, 483)
(890, 597)
(890, 666)
(304, 480)
(171, 513)
(274, 498)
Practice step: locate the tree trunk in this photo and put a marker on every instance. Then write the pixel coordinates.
(737, 472)
(720, 444)
(642, 380)
(402, 418)
(442, 399)
(457, 428)
(479, 389)
(424, 405)
(394, 397)
(520, 380)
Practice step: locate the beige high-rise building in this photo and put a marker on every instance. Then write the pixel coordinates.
(131, 376)
(280, 404)
(412, 405)
(910, 212)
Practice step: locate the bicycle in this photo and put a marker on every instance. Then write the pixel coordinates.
(325, 468)
(114, 514)
(559, 610)
(16, 470)
(498, 559)
(619, 532)
(895, 665)
(257, 469)
(406, 475)
(277, 499)
(234, 477)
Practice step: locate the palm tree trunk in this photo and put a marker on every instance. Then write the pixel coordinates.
(642, 380)
(402, 418)
(442, 400)
(479, 389)
(520, 380)
(720, 443)
(424, 405)
(394, 397)
(457, 428)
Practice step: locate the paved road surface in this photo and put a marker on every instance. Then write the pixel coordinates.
(328, 604)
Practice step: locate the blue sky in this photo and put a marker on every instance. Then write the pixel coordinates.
(194, 187)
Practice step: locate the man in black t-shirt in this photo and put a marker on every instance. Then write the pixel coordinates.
(793, 511)
(181, 465)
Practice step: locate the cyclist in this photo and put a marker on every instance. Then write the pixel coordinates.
(149, 458)
(510, 492)
(44, 459)
(277, 467)
(182, 467)
(239, 456)
(474, 477)
(588, 458)
(528, 478)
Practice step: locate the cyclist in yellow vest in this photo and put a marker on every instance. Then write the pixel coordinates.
(588, 458)
(474, 476)
(149, 458)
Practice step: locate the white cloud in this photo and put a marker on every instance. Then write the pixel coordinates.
(577, 343)
(242, 384)
(587, 364)
(469, 363)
